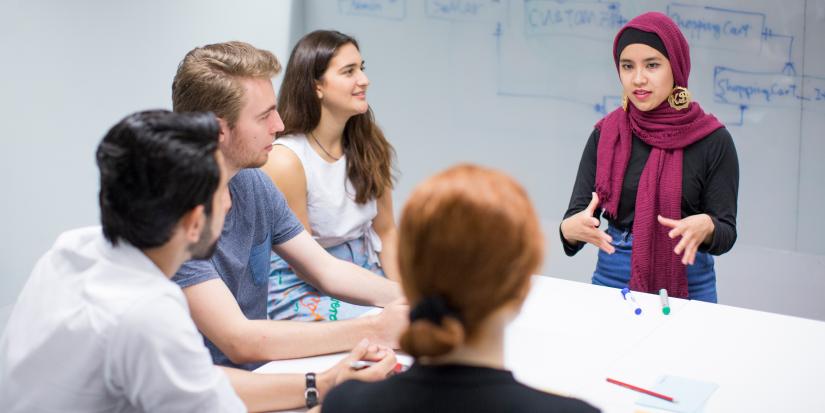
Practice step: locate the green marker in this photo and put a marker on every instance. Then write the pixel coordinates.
(665, 301)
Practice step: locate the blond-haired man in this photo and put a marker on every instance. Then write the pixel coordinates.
(228, 293)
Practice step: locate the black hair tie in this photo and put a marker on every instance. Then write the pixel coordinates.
(433, 308)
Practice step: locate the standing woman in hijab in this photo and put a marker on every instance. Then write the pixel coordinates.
(664, 173)
(334, 167)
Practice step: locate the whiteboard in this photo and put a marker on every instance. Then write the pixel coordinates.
(519, 84)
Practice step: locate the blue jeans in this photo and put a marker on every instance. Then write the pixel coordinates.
(613, 270)
(290, 298)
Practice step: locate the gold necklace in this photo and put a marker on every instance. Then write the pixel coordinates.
(322, 147)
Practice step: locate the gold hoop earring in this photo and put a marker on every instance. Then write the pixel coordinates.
(624, 103)
(679, 98)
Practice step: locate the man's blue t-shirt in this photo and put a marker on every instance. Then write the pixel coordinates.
(258, 219)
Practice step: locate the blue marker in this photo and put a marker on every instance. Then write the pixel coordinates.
(628, 298)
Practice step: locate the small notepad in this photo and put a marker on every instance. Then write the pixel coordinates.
(689, 395)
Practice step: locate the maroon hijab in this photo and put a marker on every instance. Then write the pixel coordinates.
(654, 265)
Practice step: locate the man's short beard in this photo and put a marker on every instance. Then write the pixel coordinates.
(206, 246)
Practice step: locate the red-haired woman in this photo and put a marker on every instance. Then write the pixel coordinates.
(469, 242)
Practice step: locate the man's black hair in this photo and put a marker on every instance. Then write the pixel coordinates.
(154, 167)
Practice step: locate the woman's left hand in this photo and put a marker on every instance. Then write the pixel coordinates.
(382, 357)
(694, 230)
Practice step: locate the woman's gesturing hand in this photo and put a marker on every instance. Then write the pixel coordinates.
(694, 230)
(584, 227)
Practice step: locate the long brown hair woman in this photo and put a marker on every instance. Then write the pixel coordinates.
(334, 166)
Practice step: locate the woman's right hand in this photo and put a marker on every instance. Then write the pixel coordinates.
(390, 323)
(584, 227)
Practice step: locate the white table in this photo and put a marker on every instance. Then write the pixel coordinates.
(571, 336)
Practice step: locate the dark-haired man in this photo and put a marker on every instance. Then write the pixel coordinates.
(99, 326)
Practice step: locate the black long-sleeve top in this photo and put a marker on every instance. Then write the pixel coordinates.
(448, 388)
(710, 185)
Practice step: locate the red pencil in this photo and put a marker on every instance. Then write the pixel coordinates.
(639, 389)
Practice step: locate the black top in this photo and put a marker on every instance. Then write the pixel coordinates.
(710, 184)
(447, 388)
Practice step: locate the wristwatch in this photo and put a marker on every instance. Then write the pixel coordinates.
(311, 393)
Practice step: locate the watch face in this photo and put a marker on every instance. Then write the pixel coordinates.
(311, 397)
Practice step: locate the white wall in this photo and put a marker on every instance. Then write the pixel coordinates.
(518, 85)
(70, 70)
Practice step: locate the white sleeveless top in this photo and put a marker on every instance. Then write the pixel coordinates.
(334, 216)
